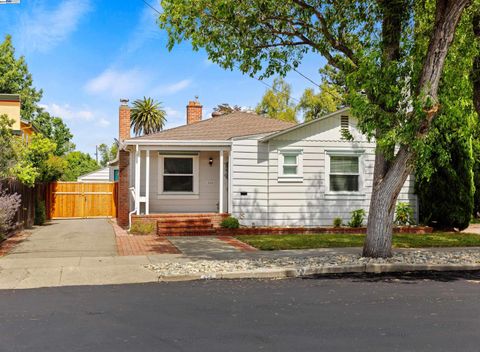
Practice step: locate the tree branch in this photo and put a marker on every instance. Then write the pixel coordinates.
(336, 43)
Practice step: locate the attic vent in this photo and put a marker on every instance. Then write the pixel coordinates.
(344, 123)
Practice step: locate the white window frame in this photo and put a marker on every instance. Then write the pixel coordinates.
(178, 195)
(298, 177)
(361, 172)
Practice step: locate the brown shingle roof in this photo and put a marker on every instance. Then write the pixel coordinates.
(223, 127)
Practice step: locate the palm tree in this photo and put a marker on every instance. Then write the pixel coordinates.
(147, 116)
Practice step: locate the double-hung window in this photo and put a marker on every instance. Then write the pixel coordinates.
(178, 174)
(290, 165)
(344, 173)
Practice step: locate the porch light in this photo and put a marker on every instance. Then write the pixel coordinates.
(210, 161)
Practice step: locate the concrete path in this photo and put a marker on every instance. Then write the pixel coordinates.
(68, 238)
(203, 247)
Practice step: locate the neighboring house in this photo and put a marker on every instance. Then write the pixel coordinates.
(263, 171)
(106, 174)
(10, 106)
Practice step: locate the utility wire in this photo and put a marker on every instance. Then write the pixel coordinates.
(153, 8)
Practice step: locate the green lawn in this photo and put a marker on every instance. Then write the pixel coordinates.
(437, 239)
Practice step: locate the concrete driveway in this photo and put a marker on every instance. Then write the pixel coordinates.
(68, 238)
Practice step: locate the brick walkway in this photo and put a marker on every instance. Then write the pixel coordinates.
(237, 244)
(11, 242)
(141, 245)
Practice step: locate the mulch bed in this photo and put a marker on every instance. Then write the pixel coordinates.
(11, 242)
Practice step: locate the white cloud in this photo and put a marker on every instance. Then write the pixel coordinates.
(173, 87)
(171, 112)
(65, 111)
(41, 29)
(118, 84)
(103, 122)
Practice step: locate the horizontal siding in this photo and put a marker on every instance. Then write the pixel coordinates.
(274, 203)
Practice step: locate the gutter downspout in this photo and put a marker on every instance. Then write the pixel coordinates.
(132, 191)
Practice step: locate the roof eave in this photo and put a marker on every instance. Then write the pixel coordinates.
(166, 142)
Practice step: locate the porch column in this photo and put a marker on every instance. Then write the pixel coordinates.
(147, 182)
(220, 183)
(137, 180)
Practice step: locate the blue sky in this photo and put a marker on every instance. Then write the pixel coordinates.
(87, 54)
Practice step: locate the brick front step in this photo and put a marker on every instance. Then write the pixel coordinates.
(179, 230)
(184, 223)
(210, 232)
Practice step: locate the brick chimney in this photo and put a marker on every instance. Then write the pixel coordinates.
(123, 120)
(194, 111)
(123, 196)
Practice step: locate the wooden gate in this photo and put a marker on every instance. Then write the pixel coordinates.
(81, 200)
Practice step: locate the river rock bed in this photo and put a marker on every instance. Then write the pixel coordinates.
(204, 267)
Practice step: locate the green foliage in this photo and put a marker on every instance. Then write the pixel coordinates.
(357, 218)
(446, 198)
(277, 102)
(16, 79)
(77, 164)
(40, 212)
(147, 116)
(337, 222)
(7, 150)
(230, 223)
(314, 105)
(36, 161)
(143, 228)
(404, 214)
(56, 130)
(107, 153)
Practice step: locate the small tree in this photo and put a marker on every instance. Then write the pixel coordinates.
(225, 108)
(147, 116)
(77, 164)
(277, 102)
(314, 105)
(107, 153)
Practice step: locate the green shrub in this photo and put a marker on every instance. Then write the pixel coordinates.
(404, 214)
(446, 196)
(230, 223)
(337, 222)
(357, 218)
(143, 228)
(40, 213)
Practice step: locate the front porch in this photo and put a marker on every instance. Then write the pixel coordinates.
(177, 186)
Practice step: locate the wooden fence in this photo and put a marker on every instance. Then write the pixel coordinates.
(81, 200)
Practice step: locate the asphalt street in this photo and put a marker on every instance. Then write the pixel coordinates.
(355, 313)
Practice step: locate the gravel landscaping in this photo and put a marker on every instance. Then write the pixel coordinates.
(209, 267)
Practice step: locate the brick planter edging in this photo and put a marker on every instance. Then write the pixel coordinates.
(313, 230)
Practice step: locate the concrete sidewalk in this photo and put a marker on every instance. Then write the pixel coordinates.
(16, 273)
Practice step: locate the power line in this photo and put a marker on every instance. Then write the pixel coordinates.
(153, 8)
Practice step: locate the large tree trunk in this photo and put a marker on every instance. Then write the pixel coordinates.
(378, 243)
(389, 178)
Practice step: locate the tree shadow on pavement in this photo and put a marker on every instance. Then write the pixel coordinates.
(403, 277)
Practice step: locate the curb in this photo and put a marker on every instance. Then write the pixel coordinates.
(296, 272)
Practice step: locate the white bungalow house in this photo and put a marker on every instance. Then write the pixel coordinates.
(263, 171)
